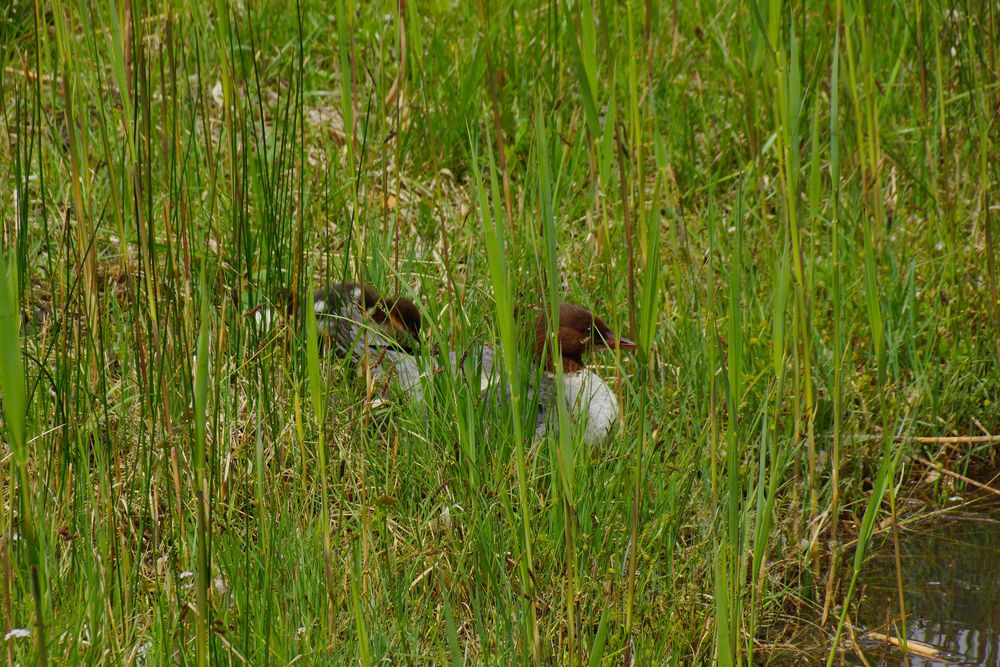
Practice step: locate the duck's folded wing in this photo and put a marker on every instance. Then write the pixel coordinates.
(489, 375)
(390, 366)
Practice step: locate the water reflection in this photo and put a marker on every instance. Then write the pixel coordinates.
(951, 581)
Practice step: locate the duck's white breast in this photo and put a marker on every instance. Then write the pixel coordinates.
(589, 398)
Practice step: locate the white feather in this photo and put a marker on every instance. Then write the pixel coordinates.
(589, 398)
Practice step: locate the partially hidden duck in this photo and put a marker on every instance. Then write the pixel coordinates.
(383, 334)
(344, 310)
(587, 395)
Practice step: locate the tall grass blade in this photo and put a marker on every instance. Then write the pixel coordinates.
(15, 406)
(496, 255)
(202, 495)
(317, 396)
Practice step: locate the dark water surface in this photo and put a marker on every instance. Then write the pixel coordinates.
(951, 584)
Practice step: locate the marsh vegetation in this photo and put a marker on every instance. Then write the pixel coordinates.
(789, 206)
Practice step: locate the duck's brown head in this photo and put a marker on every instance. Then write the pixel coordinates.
(395, 314)
(398, 316)
(580, 332)
(403, 315)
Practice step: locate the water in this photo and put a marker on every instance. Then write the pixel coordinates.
(951, 584)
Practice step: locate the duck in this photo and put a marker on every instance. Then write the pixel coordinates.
(382, 334)
(343, 309)
(588, 397)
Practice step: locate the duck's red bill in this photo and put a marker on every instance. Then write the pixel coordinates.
(623, 344)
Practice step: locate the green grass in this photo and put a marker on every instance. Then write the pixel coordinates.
(790, 207)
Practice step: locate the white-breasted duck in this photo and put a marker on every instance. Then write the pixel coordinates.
(586, 393)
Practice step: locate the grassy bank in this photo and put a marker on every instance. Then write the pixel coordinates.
(791, 209)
